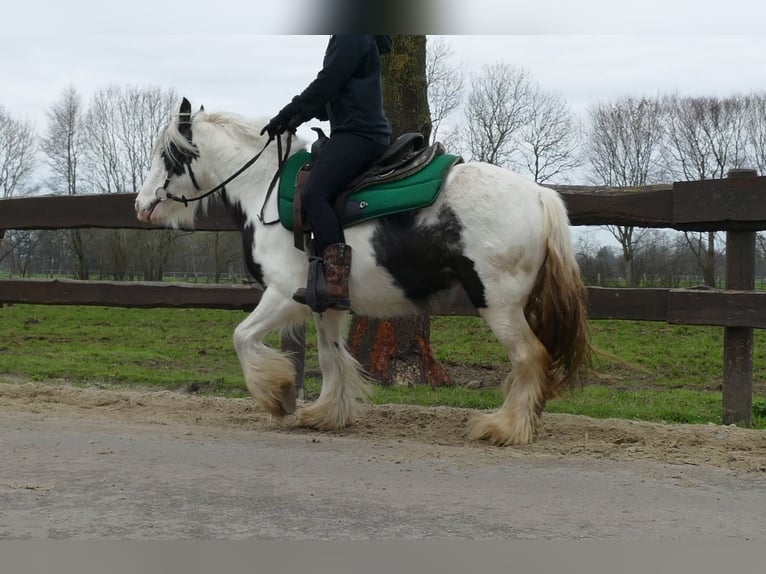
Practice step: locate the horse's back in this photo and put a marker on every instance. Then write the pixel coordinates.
(494, 203)
(487, 225)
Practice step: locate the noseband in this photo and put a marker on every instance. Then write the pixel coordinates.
(180, 167)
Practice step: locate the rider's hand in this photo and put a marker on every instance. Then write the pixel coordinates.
(275, 127)
(293, 123)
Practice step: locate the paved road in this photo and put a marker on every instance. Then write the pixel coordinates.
(79, 478)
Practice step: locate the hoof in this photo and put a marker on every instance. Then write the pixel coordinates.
(496, 430)
(289, 399)
(279, 402)
(319, 417)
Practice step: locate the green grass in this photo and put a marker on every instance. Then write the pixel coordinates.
(158, 347)
(676, 375)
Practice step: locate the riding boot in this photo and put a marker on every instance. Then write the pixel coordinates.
(328, 280)
(337, 268)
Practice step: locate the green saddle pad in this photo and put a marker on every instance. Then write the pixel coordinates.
(414, 192)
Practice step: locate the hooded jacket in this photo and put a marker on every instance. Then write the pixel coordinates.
(348, 90)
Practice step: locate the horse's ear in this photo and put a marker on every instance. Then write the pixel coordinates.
(184, 117)
(202, 108)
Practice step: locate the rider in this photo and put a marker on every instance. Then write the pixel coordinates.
(348, 92)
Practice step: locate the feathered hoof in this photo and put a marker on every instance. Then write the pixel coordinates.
(498, 430)
(281, 401)
(319, 417)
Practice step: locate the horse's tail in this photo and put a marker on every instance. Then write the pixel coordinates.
(557, 306)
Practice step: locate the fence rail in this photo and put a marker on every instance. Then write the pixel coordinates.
(676, 306)
(736, 205)
(731, 204)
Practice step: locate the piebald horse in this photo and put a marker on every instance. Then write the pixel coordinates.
(503, 238)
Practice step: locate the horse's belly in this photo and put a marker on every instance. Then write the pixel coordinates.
(375, 294)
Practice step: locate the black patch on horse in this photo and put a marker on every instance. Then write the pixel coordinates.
(175, 159)
(425, 259)
(248, 237)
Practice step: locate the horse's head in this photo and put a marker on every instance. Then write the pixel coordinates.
(172, 173)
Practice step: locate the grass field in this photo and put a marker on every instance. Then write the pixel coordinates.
(676, 374)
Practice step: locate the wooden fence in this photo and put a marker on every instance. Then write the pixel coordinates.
(736, 205)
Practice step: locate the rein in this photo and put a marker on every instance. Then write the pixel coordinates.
(282, 158)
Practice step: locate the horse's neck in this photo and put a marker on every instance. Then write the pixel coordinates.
(227, 154)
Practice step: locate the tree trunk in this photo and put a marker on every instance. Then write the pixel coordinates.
(78, 246)
(709, 268)
(704, 254)
(398, 352)
(628, 263)
(405, 89)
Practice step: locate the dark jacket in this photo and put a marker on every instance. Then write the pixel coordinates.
(348, 90)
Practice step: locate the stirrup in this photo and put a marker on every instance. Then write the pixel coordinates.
(301, 296)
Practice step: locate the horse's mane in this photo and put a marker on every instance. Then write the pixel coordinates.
(235, 125)
(173, 141)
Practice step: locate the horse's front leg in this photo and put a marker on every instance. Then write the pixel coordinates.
(269, 374)
(344, 384)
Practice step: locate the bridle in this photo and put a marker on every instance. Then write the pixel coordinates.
(184, 166)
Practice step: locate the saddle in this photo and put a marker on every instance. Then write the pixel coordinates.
(406, 156)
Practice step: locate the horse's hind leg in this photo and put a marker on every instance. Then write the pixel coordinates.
(516, 420)
(343, 382)
(269, 374)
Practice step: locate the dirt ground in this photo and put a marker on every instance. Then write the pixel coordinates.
(399, 471)
(561, 435)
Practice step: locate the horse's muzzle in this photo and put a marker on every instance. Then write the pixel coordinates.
(145, 214)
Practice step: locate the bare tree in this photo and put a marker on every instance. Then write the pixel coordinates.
(755, 130)
(548, 143)
(17, 161)
(512, 122)
(23, 245)
(760, 246)
(444, 83)
(597, 262)
(623, 146)
(17, 164)
(499, 105)
(706, 137)
(123, 124)
(226, 250)
(64, 144)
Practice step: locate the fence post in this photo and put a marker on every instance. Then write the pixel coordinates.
(738, 341)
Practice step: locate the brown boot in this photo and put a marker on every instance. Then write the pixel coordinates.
(337, 268)
(331, 289)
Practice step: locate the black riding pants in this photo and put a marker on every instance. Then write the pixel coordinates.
(343, 157)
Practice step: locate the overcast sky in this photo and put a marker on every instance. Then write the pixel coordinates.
(218, 57)
(233, 55)
(256, 75)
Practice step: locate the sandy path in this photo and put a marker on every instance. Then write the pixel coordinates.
(89, 463)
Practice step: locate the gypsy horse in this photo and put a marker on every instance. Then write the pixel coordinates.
(501, 237)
